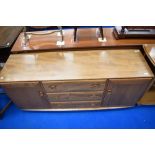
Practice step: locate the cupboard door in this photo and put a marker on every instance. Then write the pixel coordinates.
(27, 95)
(125, 92)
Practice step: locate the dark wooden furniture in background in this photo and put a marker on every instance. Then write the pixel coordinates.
(126, 32)
(8, 35)
(76, 80)
(88, 39)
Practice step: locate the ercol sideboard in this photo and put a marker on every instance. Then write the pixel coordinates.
(76, 80)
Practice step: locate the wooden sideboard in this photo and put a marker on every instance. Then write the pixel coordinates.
(76, 80)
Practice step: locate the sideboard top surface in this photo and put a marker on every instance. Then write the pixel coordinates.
(74, 65)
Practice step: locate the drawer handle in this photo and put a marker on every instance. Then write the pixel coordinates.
(95, 85)
(52, 86)
(95, 96)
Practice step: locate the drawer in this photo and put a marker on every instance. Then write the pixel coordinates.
(76, 104)
(75, 96)
(65, 86)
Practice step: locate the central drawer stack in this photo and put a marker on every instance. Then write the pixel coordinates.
(68, 94)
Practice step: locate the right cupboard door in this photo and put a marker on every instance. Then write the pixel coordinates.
(125, 92)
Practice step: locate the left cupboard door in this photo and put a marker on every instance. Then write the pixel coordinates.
(27, 95)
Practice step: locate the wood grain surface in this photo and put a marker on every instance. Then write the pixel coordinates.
(97, 64)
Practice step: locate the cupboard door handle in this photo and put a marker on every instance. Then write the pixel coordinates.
(109, 91)
(41, 93)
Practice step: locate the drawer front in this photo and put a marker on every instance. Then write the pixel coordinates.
(75, 96)
(96, 85)
(76, 104)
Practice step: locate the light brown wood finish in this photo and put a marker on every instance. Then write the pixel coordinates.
(97, 64)
(150, 52)
(86, 38)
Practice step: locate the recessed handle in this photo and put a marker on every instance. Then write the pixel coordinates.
(95, 85)
(95, 95)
